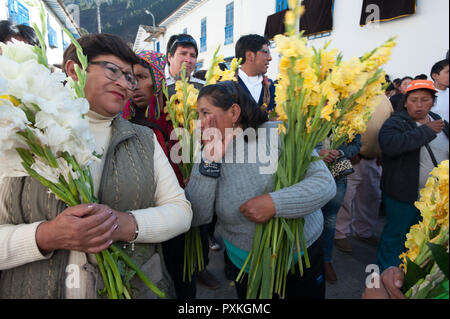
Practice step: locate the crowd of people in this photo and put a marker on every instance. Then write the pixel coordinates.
(145, 200)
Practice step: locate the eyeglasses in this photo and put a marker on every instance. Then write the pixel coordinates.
(183, 40)
(266, 52)
(113, 72)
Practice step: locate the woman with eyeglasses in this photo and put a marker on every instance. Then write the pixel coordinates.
(141, 203)
(238, 184)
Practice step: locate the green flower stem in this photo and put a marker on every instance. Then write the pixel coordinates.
(99, 259)
(72, 186)
(138, 271)
(110, 281)
(115, 270)
(303, 240)
(51, 160)
(26, 156)
(299, 250)
(68, 190)
(60, 194)
(242, 271)
(197, 237)
(126, 293)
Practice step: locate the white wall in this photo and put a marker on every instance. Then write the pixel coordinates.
(54, 55)
(3, 9)
(423, 38)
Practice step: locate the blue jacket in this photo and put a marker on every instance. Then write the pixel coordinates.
(271, 104)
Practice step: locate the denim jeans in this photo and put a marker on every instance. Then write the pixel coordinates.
(330, 211)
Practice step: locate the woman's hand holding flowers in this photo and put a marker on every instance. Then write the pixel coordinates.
(86, 228)
(259, 209)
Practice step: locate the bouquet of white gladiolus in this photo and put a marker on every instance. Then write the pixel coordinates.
(44, 134)
(39, 115)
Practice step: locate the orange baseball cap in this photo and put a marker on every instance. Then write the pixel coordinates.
(420, 84)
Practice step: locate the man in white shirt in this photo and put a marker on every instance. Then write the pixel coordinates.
(182, 49)
(254, 51)
(440, 76)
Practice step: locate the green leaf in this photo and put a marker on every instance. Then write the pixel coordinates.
(288, 230)
(281, 172)
(26, 156)
(413, 275)
(130, 263)
(441, 256)
(423, 293)
(253, 286)
(266, 292)
(439, 292)
(51, 159)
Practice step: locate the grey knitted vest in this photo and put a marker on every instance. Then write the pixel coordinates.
(127, 183)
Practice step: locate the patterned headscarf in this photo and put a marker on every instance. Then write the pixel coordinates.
(156, 63)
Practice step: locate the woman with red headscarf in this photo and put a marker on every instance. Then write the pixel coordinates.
(145, 107)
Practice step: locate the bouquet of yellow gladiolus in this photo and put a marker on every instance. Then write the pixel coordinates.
(358, 84)
(315, 91)
(425, 262)
(181, 110)
(216, 74)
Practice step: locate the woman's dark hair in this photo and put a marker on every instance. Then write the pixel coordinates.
(8, 30)
(225, 94)
(421, 77)
(391, 87)
(406, 78)
(251, 42)
(29, 35)
(97, 44)
(405, 97)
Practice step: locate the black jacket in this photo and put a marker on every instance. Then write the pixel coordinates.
(271, 105)
(401, 140)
